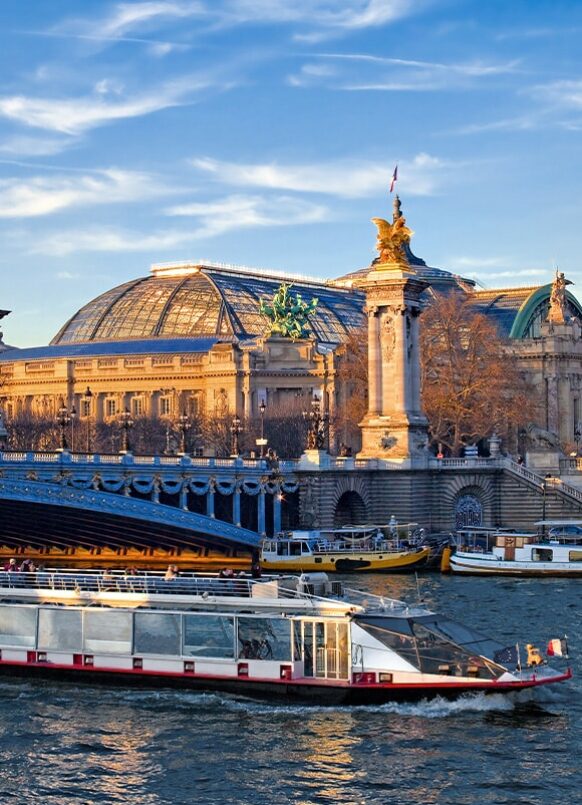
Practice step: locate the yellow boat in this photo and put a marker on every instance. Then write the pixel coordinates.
(341, 550)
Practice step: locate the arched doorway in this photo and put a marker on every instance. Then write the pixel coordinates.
(468, 511)
(350, 510)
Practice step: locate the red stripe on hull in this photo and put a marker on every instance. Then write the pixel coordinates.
(324, 691)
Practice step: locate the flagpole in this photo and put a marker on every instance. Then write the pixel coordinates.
(518, 658)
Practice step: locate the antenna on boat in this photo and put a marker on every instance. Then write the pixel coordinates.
(418, 595)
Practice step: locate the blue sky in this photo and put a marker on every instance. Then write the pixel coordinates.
(264, 133)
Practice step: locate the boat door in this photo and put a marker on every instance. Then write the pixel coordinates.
(323, 647)
(509, 549)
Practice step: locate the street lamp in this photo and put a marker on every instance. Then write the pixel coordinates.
(547, 479)
(184, 424)
(577, 437)
(72, 415)
(262, 442)
(63, 420)
(235, 430)
(87, 397)
(317, 423)
(126, 424)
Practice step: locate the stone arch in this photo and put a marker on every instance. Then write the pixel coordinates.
(350, 509)
(459, 493)
(351, 504)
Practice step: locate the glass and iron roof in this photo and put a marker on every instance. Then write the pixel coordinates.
(195, 301)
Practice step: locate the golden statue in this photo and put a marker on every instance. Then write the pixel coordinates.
(392, 238)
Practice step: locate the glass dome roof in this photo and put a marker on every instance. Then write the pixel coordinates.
(194, 301)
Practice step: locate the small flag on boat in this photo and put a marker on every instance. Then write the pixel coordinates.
(394, 178)
(506, 656)
(558, 647)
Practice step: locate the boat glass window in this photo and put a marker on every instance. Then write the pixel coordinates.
(294, 548)
(17, 626)
(108, 632)
(282, 548)
(208, 636)
(575, 556)
(305, 548)
(157, 633)
(469, 639)
(432, 649)
(60, 629)
(264, 639)
(542, 555)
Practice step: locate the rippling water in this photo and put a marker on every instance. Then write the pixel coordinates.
(61, 743)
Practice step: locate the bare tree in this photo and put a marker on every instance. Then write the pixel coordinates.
(471, 382)
(352, 387)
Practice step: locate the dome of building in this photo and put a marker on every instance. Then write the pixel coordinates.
(194, 301)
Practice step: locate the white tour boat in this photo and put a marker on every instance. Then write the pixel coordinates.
(376, 548)
(293, 637)
(555, 551)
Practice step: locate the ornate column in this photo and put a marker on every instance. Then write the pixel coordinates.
(236, 504)
(261, 512)
(210, 499)
(394, 427)
(277, 511)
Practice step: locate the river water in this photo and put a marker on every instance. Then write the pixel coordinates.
(64, 743)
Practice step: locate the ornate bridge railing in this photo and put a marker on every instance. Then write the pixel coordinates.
(190, 484)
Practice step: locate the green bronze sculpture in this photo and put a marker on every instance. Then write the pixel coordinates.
(288, 313)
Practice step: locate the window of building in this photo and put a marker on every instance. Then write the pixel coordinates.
(85, 408)
(137, 407)
(165, 406)
(110, 407)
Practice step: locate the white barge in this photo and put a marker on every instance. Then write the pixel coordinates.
(487, 552)
(290, 637)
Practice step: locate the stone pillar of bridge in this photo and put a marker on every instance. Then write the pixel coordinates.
(394, 427)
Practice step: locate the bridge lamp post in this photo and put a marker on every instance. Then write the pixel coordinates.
(126, 424)
(262, 442)
(235, 430)
(577, 437)
(63, 420)
(87, 397)
(184, 424)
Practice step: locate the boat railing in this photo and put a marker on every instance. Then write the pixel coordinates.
(153, 584)
(347, 546)
(146, 584)
(380, 603)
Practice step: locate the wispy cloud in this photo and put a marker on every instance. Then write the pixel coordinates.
(566, 94)
(420, 176)
(320, 17)
(39, 196)
(74, 116)
(34, 146)
(362, 71)
(213, 218)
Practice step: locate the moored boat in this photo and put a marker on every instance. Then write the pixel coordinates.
(292, 637)
(343, 550)
(555, 550)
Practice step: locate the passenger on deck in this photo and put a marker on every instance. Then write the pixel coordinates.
(171, 573)
(11, 567)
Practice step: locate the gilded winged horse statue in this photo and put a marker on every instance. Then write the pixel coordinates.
(392, 239)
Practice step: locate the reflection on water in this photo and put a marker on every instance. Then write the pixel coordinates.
(63, 743)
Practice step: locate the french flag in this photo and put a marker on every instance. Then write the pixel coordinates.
(394, 178)
(557, 648)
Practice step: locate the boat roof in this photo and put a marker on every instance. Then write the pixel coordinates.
(308, 594)
(557, 523)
